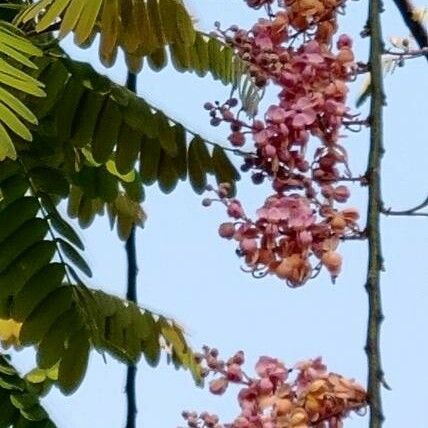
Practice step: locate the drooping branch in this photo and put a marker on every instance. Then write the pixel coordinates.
(418, 30)
(415, 211)
(131, 294)
(375, 262)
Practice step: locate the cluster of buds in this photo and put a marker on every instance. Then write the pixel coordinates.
(302, 397)
(300, 221)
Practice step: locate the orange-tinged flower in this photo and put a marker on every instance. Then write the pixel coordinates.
(279, 31)
(310, 7)
(325, 31)
(351, 215)
(333, 262)
(294, 269)
(317, 387)
(345, 56)
(312, 397)
(283, 406)
(338, 223)
(299, 418)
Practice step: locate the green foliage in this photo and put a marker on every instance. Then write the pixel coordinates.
(122, 144)
(64, 321)
(142, 28)
(127, 331)
(15, 117)
(69, 133)
(208, 55)
(139, 27)
(20, 404)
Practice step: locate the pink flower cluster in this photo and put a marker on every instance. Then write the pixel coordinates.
(313, 397)
(300, 219)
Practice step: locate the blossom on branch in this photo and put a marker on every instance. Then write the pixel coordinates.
(307, 395)
(297, 230)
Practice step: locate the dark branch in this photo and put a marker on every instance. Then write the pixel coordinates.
(375, 262)
(131, 294)
(418, 30)
(410, 212)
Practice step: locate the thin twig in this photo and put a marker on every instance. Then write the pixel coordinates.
(357, 236)
(409, 212)
(408, 54)
(375, 260)
(131, 295)
(418, 30)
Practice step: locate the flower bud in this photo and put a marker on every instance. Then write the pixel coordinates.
(237, 139)
(234, 373)
(332, 261)
(341, 193)
(219, 386)
(226, 230)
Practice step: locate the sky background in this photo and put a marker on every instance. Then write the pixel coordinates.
(189, 273)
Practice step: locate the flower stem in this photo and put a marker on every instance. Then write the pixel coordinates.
(375, 260)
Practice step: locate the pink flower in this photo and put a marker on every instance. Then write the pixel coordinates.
(272, 369)
(299, 212)
(311, 397)
(313, 58)
(344, 41)
(226, 230)
(302, 113)
(341, 193)
(234, 373)
(237, 139)
(293, 231)
(263, 41)
(273, 214)
(276, 114)
(334, 107)
(266, 386)
(263, 136)
(269, 151)
(234, 209)
(248, 245)
(305, 238)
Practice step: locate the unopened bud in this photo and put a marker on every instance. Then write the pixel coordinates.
(226, 230)
(219, 386)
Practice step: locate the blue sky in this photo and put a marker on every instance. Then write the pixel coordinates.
(189, 273)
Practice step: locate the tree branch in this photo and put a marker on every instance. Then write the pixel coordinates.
(418, 30)
(375, 260)
(131, 294)
(410, 212)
